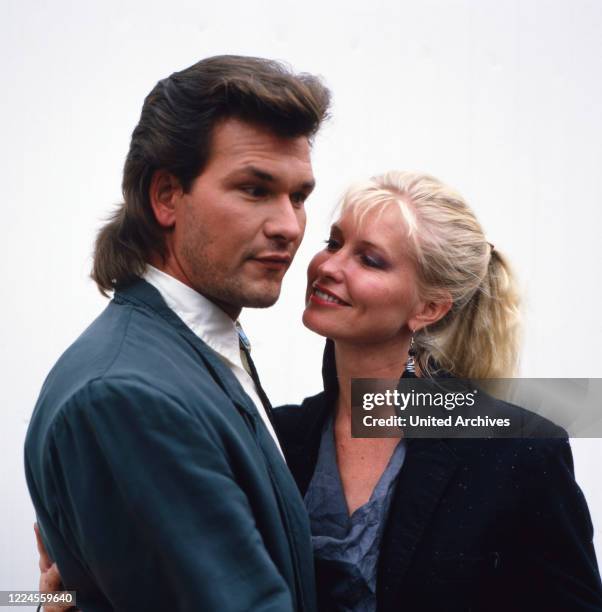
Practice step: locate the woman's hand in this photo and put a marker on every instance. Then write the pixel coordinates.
(50, 578)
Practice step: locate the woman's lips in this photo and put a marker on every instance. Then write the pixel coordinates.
(323, 297)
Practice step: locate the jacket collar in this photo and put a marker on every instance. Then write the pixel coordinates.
(205, 318)
(144, 295)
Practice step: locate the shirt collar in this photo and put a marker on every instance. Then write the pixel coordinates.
(207, 320)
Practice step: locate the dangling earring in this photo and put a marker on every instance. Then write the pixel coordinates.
(411, 362)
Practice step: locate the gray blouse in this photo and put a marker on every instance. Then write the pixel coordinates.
(346, 547)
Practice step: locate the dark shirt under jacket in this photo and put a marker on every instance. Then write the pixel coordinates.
(474, 525)
(155, 481)
(346, 546)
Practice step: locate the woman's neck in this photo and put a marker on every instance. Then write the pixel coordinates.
(387, 360)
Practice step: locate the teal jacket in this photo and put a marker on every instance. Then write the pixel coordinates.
(155, 482)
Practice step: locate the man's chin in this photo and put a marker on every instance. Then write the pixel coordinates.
(235, 298)
(261, 295)
(261, 301)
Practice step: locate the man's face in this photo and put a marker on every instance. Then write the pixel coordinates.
(237, 230)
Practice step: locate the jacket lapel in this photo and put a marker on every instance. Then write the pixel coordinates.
(145, 295)
(427, 469)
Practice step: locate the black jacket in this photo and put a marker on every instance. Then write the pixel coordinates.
(474, 525)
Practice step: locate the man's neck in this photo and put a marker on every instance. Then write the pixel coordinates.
(169, 267)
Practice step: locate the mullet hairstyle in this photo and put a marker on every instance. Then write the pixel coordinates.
(174, 134)
(479, 337)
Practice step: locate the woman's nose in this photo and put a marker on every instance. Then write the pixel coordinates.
(332, 266)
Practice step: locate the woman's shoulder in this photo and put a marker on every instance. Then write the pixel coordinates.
(528, 435)
(294, 419)
(299, 429)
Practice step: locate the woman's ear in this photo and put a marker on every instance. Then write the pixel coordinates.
(164, 192)
(429, 313)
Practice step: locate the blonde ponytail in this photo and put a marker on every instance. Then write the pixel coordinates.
(481, 338)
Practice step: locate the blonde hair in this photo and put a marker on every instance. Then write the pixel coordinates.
(479, 336)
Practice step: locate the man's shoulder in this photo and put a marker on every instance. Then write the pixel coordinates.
(130, 350)
(123, 339)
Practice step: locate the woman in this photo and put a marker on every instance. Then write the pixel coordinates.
(428, 524)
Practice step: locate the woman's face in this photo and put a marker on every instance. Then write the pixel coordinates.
(362, 287)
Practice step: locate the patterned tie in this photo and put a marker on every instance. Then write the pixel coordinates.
(245, 353)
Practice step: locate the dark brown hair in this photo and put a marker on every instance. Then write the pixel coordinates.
(174, 134)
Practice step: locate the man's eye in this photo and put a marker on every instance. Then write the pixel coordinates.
(332, 244)
(255, 191)
(298, 198)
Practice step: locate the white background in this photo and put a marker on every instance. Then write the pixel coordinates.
(501, 99)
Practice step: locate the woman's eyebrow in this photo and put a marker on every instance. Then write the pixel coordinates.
(374, 245)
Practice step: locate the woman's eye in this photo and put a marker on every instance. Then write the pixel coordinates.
(332, 244)
(373, 262)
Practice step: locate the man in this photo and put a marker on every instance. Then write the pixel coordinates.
(151, 458)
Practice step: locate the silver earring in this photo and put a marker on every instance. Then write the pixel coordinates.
(411, 362)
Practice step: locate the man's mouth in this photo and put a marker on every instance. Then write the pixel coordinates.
(319, 295)
(275, 261)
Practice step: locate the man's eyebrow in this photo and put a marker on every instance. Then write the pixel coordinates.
(269, 178)
(308, 185)
(260, 174)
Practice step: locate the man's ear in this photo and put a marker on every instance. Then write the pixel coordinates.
(164, 192)
(430, 312)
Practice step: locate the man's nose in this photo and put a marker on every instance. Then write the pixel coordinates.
(285, 223)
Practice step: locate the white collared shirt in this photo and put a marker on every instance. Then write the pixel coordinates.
(212, 325)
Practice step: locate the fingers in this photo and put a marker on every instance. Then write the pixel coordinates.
(50, 580)
(45, 560)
